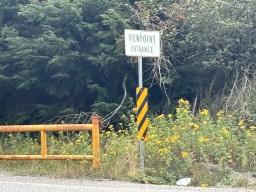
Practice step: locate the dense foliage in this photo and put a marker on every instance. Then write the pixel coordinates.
(211, 149)
(61, 57)
(65, 56)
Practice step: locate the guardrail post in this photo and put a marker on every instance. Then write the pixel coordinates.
(96, 120)
(43, 144)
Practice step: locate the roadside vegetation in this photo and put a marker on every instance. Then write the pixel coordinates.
(212, 149)
(63, 57)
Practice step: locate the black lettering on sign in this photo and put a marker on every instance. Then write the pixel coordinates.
(143, 49)
(139, 38)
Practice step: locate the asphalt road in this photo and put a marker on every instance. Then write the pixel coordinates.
(12, 183)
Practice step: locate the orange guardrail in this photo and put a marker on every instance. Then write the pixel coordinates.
(94, 127)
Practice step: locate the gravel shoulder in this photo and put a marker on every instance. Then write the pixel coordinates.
(19, 183)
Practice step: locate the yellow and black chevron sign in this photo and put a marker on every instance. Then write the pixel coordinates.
(142, 110)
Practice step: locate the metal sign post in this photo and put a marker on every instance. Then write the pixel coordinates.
(142, 44)
(140, 77)
(142, 147)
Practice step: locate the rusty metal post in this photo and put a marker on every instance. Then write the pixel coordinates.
(96, 120)
(43, 144)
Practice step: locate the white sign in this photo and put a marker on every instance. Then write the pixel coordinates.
(142, 43)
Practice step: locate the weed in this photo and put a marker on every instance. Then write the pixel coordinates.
(205, 147)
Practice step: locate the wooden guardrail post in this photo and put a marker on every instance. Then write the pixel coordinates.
(96, 120)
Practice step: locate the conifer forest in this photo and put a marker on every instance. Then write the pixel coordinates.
(60, 57)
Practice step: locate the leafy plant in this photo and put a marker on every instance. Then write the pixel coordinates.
(209, 149)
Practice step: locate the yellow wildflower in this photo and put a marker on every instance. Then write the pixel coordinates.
(241, 123)
(204, 112)
(132, 118)
(216, 143)
(204, 185)
(185, 111)
(108, 133)
(252, 127)
(81, 137)
(174, 138)
(160, 116)
(152, 136)
(105, 155)
(248, 133)
(184, 154)
(123, 116)
(170, 115)
(202, 139)
(178, 110)
(78, 141)
(220, 113)
(196, 126)
(127, 148)
(184, 102)
(163, 151)
(225, 131)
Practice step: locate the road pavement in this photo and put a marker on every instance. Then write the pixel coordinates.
(15, 183)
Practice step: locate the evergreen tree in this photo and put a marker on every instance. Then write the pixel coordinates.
(69, 58)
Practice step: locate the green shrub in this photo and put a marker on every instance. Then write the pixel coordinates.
(207, 148)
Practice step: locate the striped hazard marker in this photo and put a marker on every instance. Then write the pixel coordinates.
(142, 110)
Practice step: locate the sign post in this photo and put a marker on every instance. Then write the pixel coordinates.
(142, 44)
(140, 81)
